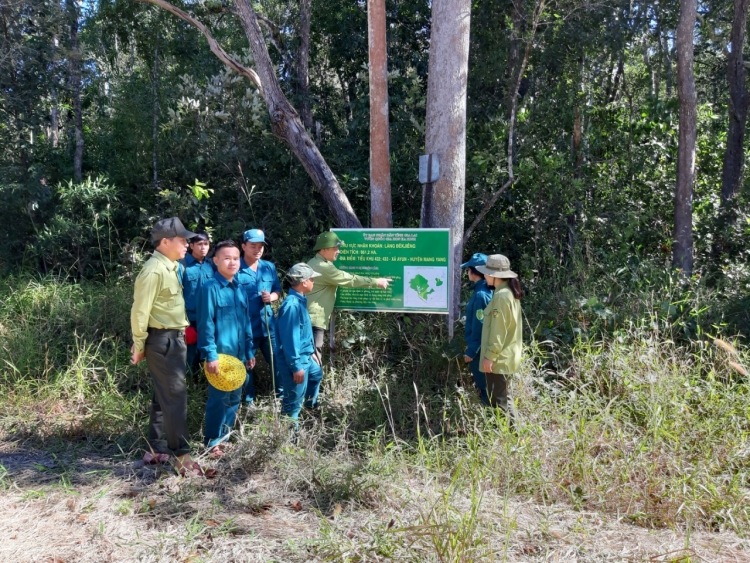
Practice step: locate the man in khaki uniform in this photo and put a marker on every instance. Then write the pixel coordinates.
(321, 299)
(158, 320)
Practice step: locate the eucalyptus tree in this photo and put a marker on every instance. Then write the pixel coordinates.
(682, 257)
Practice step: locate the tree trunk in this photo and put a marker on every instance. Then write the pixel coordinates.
(381, 215)
(667, 67)
(54, 119)
(74, 65)
(155, 121)
(738, 102)
(303, 63)
(682, 257)
(443, 201)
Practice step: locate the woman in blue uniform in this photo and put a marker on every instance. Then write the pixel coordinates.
(480, 297)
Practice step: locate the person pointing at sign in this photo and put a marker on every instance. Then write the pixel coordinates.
(321, 299)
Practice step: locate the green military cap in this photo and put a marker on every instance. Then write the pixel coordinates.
(327, 239)
(301, 272)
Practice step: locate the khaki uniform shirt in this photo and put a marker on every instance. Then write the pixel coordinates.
(157, 300)
(321, 299)
(501, 332)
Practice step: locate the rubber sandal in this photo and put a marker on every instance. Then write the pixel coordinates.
(155, 458)
(193, 469)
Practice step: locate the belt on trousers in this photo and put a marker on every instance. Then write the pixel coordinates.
(169, 332)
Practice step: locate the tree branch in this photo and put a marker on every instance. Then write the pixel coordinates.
(275, 38)
(216, 49)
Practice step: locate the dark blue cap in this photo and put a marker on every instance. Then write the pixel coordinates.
(478, 259)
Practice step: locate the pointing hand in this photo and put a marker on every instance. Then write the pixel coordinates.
(383, 282)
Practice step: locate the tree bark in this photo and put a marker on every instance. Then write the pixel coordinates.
(303, 63)
(285, 122)
(74, 65)
(682, 257)
(381, 214)
(667, 67)
(155, 121)
(738, 103)
(443, 201)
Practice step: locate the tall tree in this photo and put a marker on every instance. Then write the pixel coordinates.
(738, 101)
(303, 62)
(682, 251)
(445, 135)
(381, 214)
(74, 62)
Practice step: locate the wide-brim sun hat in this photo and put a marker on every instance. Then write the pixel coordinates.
(497, 266)
(231, 376)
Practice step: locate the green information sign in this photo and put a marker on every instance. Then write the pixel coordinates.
(417, 260)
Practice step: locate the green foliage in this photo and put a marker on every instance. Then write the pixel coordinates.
(80, 239)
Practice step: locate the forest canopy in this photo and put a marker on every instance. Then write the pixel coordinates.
(116, 112)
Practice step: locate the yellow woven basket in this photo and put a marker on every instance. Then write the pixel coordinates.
(231, 374)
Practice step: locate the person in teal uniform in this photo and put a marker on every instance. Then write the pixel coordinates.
(197, 269)
(480, 297)
(262, 287)
(223, 328)
(299, 364)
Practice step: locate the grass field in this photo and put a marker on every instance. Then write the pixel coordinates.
(630, 444)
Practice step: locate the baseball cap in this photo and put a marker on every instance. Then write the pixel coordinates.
(477, 259)
(168, 228)
(254, 235)
(301, 272)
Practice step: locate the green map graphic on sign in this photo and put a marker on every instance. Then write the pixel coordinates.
(421, 286)
(416, 260)
(423, 293)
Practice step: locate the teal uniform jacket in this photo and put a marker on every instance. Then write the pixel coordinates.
(294, 331)
(224, 321)
(254, 283)
(475, 317)
(194, 275)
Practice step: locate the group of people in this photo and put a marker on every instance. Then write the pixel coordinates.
(492, 329)
(189, 308)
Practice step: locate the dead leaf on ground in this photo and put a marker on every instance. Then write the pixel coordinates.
(83, 517)
(336, 511)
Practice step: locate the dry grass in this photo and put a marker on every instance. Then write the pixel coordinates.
(639, 451)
